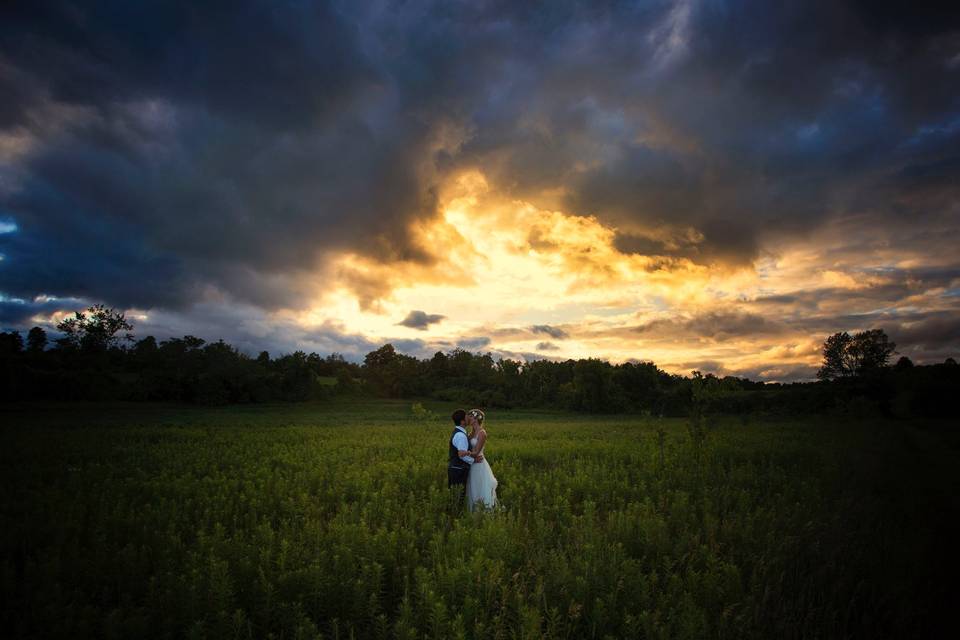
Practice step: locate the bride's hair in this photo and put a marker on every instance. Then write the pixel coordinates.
(476, 413)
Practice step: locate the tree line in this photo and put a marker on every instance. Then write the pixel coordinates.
(96, 357)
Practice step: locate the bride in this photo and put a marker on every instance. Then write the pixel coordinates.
(481, 483)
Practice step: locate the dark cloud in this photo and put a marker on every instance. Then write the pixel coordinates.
(784, 298)
(19, 313)
(473, 343)
(421, 320)
(226, 146)
(554, 332)
(547, 346)
(739, 119)
(177, 152)
(296, 65)
(933, 335)
(721, 325)
(721, 241)
(716, 325)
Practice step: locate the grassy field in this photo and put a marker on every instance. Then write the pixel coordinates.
(334, 520)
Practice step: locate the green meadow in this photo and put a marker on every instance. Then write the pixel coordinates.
(334, 520)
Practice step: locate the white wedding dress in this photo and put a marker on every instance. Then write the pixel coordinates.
(481, 483)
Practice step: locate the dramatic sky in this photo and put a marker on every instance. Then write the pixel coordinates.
(710, 185)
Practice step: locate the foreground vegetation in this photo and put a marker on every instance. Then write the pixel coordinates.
(334, 520)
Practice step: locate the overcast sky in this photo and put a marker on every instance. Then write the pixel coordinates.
(711, 185)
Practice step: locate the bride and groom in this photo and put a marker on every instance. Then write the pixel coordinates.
(467, 468)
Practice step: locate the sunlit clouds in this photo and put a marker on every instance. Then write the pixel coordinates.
(514, 274)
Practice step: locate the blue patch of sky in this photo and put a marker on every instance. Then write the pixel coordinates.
(8, 225)
(926, 131)
(880, 269)
(848, 123)
(808, 132)
(892, 310)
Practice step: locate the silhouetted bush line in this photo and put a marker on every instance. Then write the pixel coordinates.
(177, 370)
(189, 370)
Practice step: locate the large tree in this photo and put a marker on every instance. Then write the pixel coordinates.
(97, 329)
(846, 356)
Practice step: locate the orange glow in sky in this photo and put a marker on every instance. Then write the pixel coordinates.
(512, 268)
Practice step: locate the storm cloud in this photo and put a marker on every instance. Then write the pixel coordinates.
(162, 156)
(554, 332)
(421, 320)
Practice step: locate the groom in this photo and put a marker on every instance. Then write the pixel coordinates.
(458, 466)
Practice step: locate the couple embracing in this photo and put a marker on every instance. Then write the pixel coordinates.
(467, 468)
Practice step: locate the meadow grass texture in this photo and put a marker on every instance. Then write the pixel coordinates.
(334, 520)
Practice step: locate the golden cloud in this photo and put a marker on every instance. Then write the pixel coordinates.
(499, 267)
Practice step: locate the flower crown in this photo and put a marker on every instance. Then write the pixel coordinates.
(476, 413)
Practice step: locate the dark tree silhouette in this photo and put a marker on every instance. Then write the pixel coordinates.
(903, 363)
(36, 340)
(395, 374)
(837, 362)
(381, 368)
(847, 356)
(96, 329)
(11, 342)
(146, 347)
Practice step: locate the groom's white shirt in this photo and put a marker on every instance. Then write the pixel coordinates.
(462, 443)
